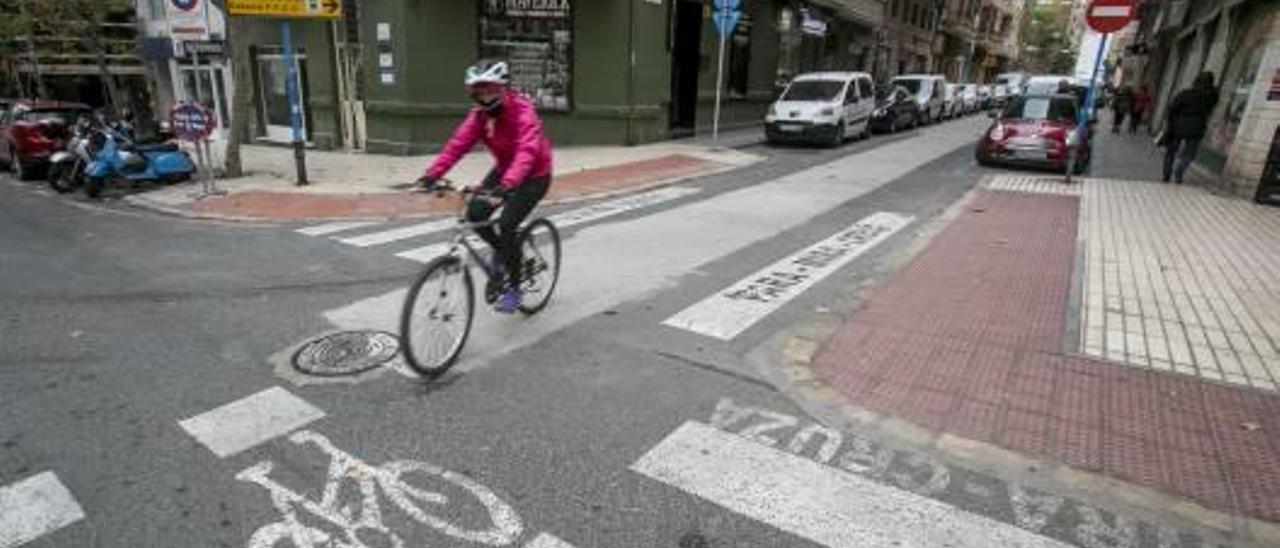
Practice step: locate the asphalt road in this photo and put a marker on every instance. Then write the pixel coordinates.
(145, 401)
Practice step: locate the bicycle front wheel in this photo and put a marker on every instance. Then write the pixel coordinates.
(540, 248)
(437, 316)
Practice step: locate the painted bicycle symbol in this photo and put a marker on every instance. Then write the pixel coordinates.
(352, 527)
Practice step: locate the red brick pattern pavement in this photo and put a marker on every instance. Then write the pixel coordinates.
(969, 338)
(260, 204)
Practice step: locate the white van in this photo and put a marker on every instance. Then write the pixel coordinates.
(930, 92)
(828, 107)
(1015, 82)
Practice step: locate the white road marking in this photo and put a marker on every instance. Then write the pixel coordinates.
(401, 233)
(819, 503)
(625, 261)
(35, 507)
(334, 227)
(578, 216)
(739, 306)
(547, 540)
(1111, 11)
(250, 421)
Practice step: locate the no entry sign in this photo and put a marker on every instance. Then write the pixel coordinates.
(1108, 16)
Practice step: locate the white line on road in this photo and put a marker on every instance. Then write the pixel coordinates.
(547, 540)
(34, 507)
(401, 233)
(250, 421)
(1111, 11)
(738, 307)
(819, 503)
(578, 216)
(338, 226)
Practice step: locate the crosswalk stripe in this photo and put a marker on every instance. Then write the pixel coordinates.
(736, 308)
(817, 502)
(594, 212)
(334, 227)
(34, 507)
(547, 540)
(249, 421)
(401, 233)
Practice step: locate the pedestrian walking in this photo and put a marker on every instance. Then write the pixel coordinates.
(1185, 125)
(1121, 104)
(1138, 111)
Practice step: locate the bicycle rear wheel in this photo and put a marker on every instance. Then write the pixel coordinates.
(540, 247)
(437, 316)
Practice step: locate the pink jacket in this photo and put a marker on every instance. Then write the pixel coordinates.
(514, 138)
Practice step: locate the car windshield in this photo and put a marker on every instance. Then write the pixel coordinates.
(1041, 108)
(60, 115)
(813, 90)
(912, 85)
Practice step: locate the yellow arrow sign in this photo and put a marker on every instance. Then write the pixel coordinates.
(286, 8)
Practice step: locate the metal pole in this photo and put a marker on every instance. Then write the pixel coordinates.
(295, 107)
(715, 123)
(1091, 97)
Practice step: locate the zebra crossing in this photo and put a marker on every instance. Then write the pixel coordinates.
(369, 234)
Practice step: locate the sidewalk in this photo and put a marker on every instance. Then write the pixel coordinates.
(362, 186)
(1124, 328)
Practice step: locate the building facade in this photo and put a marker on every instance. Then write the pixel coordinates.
(978, 39)
(1239, 42)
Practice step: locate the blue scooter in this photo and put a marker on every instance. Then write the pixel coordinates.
(120, 159)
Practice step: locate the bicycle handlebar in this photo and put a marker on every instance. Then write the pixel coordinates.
(445, 185)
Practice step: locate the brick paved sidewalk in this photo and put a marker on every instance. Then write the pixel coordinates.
(348, 186)
(973, 337)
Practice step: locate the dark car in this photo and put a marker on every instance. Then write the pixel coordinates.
(30, 131)
(895, 109)
(1036, 131)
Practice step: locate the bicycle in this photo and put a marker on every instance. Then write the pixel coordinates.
(441, 302)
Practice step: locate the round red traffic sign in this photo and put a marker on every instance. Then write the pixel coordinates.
(1108, 16)
(190, 121)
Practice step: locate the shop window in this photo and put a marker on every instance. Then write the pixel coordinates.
(739, 56)
(897, 8)
(536, 38)
(1238, 99)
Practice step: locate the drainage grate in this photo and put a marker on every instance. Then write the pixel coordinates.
(346, 353)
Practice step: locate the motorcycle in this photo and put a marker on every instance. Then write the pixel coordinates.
(66, 167)
(119, 158)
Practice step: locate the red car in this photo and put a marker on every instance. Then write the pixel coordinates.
(1035, 131)
(32, 130)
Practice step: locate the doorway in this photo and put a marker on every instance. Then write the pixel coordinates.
(273, 95)
(686, 58)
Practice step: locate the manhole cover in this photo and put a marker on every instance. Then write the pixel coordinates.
(346, 353)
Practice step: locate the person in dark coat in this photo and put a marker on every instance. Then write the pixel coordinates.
(1141, 104)
(1185, 125)
(1121, 104)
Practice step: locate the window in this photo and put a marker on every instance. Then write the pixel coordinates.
(536, 39)
(897, 8)
(813, 90)
(915, 14)
(865, 89)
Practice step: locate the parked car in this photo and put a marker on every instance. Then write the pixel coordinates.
(1037, 131)
(896, 109)
(1014, 82)
(929, 91)
(984, 96)
(999, 95)
(955, 101)
(969, 100)
(827, 107)
(30, 131)
(1049, 84)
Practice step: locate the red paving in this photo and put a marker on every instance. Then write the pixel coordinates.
(261, 204)
(969, 339)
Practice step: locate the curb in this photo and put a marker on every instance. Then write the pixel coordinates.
(141, 202)
(785, 358)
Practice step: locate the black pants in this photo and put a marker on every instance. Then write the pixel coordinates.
(518, 205)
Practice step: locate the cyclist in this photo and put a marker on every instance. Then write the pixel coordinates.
(509, 126)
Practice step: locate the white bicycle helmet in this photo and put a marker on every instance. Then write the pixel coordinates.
(488, 72)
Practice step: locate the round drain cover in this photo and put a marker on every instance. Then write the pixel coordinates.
(346, 353)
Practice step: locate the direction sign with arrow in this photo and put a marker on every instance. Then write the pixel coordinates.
(323, 9)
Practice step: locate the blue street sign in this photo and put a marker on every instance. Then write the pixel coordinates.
(726, 20)
(727, 5)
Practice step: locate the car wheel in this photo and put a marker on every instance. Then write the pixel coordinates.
(837, 138)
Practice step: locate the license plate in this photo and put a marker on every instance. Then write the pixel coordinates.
(790, 127)
(1030, 155)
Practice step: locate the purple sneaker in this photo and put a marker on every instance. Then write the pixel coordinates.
(510, 300)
